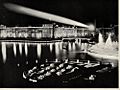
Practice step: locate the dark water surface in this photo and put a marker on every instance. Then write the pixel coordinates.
(18, 57)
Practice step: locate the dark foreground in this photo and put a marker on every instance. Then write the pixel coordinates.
(78, 79)
(16, 62)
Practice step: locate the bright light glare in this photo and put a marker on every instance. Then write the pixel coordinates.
(91, 27)
(43, 15)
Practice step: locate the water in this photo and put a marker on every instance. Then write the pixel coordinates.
(16, 57)
(14, 49)
(107, 50)
(40, 51)
(109, 46)
(26, 49)
(20, 48)
(4, 51)
(100, 38)
(109, 43)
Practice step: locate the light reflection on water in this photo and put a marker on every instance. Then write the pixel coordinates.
(4, 54)
(26, 49)
(57, 49)
(39, 50)
(43, 50)
(20, 48)
(74, 47)
(70, 47)
(51, 46)
(14, 49)
(30, 52)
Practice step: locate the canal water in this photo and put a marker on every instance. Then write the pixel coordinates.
(16, 57)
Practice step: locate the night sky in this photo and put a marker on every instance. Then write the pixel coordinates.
(105, 12)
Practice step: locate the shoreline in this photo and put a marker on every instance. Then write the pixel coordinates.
(104, 58)
(31, 41)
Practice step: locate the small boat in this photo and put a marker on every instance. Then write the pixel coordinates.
(103, 70)
(65, 70)
(93, 43)
(91, 65)
(68, 40)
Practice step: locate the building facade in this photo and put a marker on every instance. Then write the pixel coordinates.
(45, 31)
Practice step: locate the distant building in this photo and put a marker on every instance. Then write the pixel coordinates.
(46, 31)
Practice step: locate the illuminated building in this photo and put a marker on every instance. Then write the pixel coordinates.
(45, 31)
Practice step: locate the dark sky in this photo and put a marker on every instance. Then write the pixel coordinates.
(105, 12)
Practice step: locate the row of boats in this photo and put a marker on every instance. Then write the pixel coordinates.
(66, 71)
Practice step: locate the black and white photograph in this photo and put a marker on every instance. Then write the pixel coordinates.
(59, 44)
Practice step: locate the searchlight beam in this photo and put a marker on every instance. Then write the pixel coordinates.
(43, 15)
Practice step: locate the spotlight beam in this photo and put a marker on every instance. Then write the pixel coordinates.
(39, 14)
